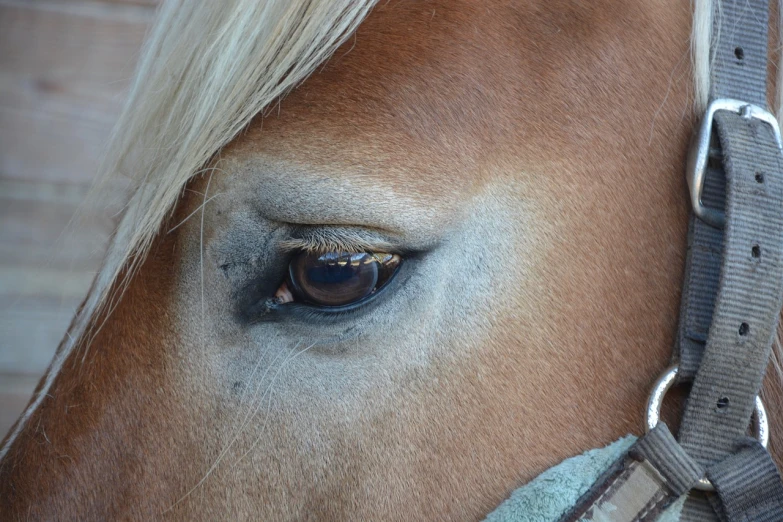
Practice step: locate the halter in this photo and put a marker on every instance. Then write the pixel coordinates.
(731, 301)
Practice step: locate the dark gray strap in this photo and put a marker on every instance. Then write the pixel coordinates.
(750, 292)
(702, 274)
(660, 448)
(698, 509)
(732, 291)
(731, 301)
(748, 485)
(739, 70)
(739, 51)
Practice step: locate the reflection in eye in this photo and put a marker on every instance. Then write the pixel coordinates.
(336, 278)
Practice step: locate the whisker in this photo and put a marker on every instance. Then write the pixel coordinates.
(237, 432)
(193, 213)
(269, 402)
(201, 253)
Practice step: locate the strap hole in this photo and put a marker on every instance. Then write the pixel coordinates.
(744, 329)
(739, 53)
(755, 251)
(759, 177)
(723, 403)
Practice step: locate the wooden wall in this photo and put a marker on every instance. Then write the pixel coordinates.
(64, 69)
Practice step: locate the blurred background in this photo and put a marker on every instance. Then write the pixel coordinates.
(65, 66)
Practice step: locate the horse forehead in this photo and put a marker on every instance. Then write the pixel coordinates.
(401, 104)
(429, 95)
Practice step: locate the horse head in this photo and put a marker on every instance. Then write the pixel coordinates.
(448, 259)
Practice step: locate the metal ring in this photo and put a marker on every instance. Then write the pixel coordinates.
(654, 403)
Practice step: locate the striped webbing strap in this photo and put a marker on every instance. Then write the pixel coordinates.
(732, 297)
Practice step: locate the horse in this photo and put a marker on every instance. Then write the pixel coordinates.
(381, 261)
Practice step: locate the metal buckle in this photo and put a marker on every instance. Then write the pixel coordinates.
(654, 402)
(698, 154)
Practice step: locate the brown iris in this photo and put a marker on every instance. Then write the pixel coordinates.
(339, 278)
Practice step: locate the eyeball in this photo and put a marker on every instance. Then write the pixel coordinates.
(335, 279)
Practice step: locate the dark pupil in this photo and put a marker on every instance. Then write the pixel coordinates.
(334, 279)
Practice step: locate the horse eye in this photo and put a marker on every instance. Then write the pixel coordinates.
(337, 278)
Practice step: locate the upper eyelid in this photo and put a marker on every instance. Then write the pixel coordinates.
(336, 239)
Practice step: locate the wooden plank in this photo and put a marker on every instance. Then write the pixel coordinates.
(63, 77)
(64, 69)
(42, 229)
(15, 393)
(45, 268)
(30, 336)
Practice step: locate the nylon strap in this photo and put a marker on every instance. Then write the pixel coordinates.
(748, 485)
(739, 54)
(732, 290)
(739, 50)
(746, 311)
(749, 296)
(737, 25)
